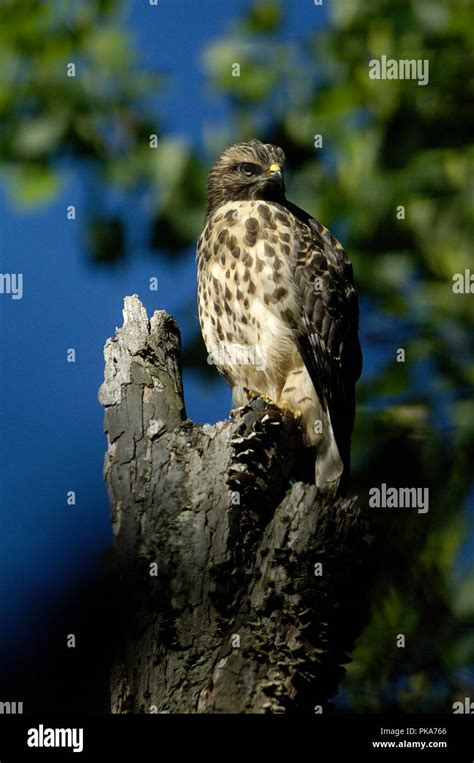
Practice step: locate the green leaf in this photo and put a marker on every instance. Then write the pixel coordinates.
(36, 137)
(33, 184)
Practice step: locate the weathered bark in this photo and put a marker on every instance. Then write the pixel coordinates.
(235, 620)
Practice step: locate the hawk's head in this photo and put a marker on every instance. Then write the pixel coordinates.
(246, 171)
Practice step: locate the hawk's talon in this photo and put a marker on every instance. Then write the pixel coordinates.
(282, 405)
(285, 407)
(252, 394)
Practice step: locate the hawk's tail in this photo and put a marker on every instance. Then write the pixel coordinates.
(329, 464)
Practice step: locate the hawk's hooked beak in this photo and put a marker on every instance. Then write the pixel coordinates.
(275, 173)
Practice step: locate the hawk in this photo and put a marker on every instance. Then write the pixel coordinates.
(277, 305)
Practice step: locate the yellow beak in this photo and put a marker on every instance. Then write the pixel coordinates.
(274, 168)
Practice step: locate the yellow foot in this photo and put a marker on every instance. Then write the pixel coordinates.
(250, 393)
(287, 408)
(282, 405)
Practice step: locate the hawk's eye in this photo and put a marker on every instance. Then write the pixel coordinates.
(248, 169)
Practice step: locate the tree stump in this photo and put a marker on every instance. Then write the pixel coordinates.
(242, 591)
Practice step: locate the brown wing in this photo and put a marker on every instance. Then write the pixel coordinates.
(328, 340)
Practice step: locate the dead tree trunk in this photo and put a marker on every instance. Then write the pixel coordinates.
(242, 593)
